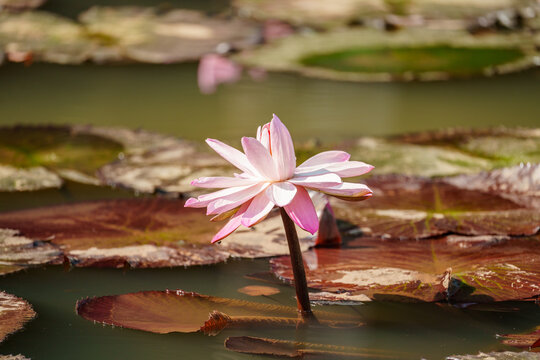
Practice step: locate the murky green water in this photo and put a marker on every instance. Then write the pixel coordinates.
(166, 99)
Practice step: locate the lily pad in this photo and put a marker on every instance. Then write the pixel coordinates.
(18, 252)
(34, 178)
(41, 36)
(14, 313)
(258, 290)
(520, 184)
(40, 153)
(146, 35)
(144, 233)
(20, 4)
(428, 270)
(301, 350)
(416, 208)
(507, 355)
(321, 14)
(500, 146)
(410, 54)
(178, 311)
(530, 341)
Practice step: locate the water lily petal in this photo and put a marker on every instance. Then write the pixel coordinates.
(349, 191)
(232, 155)
(260, 158)
(282, 149)
(317, 181)
(222, 182)
(226, 203)
(263, 135)
(206, 199)
(232, 225)
(302, 211)
(258, 209)
(350, 168)
(281, 193)
(326, 157)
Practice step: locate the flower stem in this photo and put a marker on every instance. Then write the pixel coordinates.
(300, 283)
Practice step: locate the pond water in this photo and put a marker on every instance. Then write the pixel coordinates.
(166, 99)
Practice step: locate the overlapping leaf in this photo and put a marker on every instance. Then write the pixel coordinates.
(415, 208)
(178, 311)
(530, 341)
(301, 350)
(430, 270)
(18, 252)
(14, 313)
(151, 232)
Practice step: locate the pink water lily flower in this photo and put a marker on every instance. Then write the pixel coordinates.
(270, 178)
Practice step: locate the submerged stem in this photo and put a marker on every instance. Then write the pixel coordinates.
(300, 283)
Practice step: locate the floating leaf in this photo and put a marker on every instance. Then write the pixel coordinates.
(410, 54)
(58, 149)
(20, 4)
(428, 270)
(14, 313)
(530, 341)
(520, 183)
(258, 290)
(13, 357)
(18, 252)
(415, 208)
(35, 178)
(145, 232)
(148, 35)
(301, 350)
(178, 311)
(507, 355)
(41, 36)
(318, 14)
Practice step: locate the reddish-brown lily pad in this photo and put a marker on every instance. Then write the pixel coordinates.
(258, 290)
(415, 208)
(301, 350)
(178, 311)
(145, 232)
(530, 341)
(428, 270)
(14, 313)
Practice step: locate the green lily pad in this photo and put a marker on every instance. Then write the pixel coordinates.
(178, 311)
(146, 35)
(41, 36)
(301, 350)
(392, 157)
(14, 313)
(410, 54)
(18, 252)
(500, 146)
(58, 149)
(417, 208)
(507, 355)
(426, 271)
(145, 233)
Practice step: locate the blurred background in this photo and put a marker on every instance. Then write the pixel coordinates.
(330, 69)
